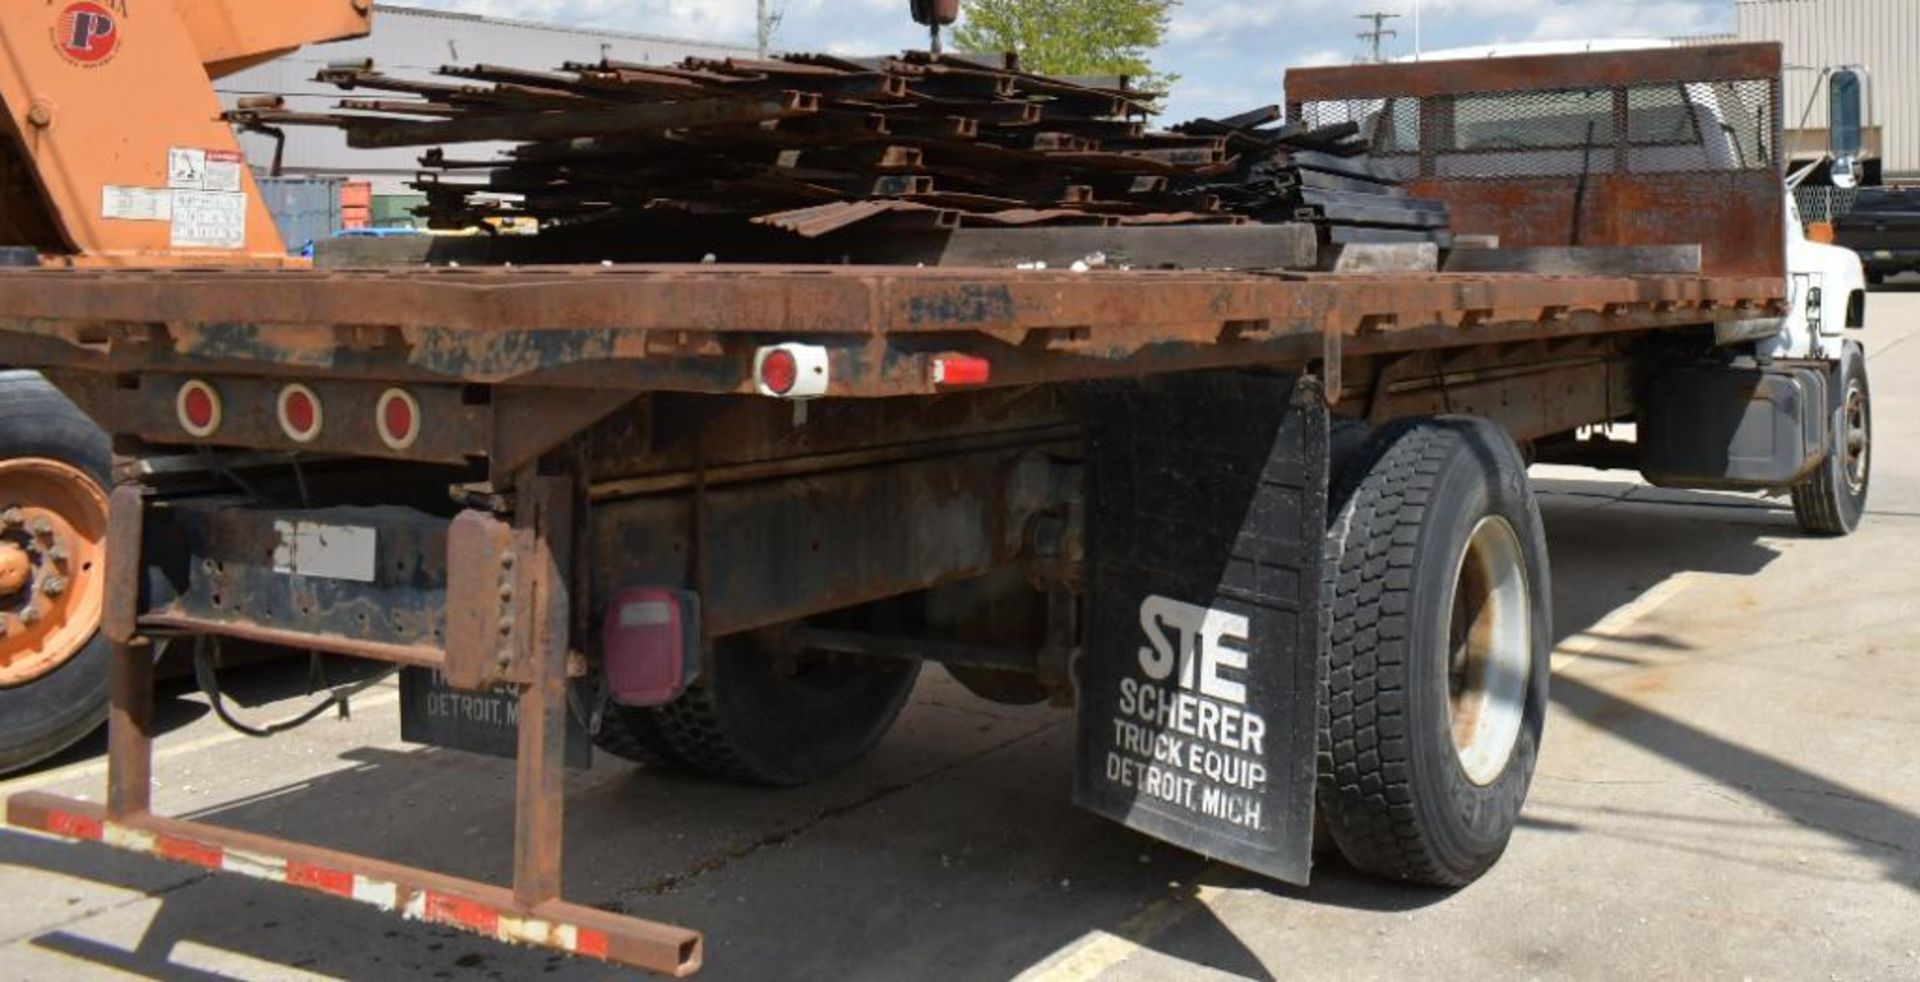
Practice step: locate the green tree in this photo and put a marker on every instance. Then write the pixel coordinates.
(1073, 37)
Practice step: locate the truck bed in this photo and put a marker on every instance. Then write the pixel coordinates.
(694, 328)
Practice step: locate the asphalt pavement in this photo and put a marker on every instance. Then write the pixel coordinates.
(1729, 789)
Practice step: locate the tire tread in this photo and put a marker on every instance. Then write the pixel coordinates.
(1365, 759)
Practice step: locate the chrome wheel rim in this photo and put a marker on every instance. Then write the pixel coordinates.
(1489, 650)
(1859, 436)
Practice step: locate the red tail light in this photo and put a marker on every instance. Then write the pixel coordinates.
(397, 417)
(779, 371)
(792, 371)
(301, 415)
(651, 644)
(199, 408)
(962, 370)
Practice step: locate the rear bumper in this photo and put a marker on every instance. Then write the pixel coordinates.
(416, 895)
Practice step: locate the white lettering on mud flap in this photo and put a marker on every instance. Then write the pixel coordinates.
(1183, 734)
(329, 552)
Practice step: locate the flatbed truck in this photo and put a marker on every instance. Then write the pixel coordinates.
(1269, 534)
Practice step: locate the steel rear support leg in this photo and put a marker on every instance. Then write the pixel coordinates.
(530, 913)
(130, 674)
(545, 508)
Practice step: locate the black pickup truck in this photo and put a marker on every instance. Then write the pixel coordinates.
(1884, 228)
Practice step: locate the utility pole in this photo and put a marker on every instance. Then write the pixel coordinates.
(1380, 31)
(768, 21)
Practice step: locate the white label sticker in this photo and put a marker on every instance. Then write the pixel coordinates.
(330, 552)
(223, 170)
(209, 220)
(136, 204)
(186, 169)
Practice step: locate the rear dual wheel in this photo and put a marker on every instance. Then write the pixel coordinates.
(763, 715)
(1439, 640)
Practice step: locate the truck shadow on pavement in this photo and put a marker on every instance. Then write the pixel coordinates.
(952, 853)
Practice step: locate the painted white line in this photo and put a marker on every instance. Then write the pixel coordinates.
(96, 768)
(1098, 952)
(1621, 620)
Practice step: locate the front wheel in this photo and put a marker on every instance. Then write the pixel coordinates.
(1834, 500)
(1439, 639)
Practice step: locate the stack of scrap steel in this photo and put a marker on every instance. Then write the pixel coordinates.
(1324, 176)
(806, 143)
(813, 144)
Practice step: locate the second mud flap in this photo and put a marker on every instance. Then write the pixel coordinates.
(1198, 678)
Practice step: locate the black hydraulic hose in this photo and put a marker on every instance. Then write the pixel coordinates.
(209, 681)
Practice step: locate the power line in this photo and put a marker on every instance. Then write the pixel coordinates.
(1380, 31)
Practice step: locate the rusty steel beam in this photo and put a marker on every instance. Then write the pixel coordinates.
(414, 894)
(370, 134)
(670, 328)
(415, 656)
(1662, 66)
(444, 314)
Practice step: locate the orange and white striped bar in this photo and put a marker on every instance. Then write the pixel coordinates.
(417, 895)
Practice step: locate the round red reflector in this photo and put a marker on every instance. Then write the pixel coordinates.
(779, 372)
(399, 419)
(300, 414)
(198, 406)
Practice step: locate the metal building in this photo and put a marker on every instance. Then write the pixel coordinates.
(1878, 35)
(411, 42)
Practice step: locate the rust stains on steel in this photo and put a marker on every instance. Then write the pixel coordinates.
(821, 220)
(1658, 66)
(600, 327)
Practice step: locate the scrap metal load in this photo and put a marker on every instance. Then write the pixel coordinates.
(812, 144)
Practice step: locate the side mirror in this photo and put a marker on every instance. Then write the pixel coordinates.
(936, 13)
(1846, 114)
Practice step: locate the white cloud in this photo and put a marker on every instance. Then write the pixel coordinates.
(1230, 54)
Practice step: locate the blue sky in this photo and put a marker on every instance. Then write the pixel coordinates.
(1231, 54)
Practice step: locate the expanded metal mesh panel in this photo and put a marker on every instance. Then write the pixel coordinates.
(1824, 204)
(1694, 127)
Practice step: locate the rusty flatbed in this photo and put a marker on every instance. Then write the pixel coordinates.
(693, 328)
(614, 441)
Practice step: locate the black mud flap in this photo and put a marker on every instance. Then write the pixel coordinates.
(438, 715)
(1199, 678)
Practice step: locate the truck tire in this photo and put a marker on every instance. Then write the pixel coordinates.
(53, 664)
(1834, 499)
(747, 720)
(633, 734)
(1439, 637)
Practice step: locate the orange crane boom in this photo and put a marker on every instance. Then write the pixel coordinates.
(113, 151)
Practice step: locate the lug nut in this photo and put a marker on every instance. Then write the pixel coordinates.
(11, 518)
(58, 554)
(30, 616)
(55, 586)
(42, 526)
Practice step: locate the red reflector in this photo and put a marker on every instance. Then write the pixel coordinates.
(300, 413)
(962, 370)
(398, 416)
(779, 372)
(651, 642)
(198, 406)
